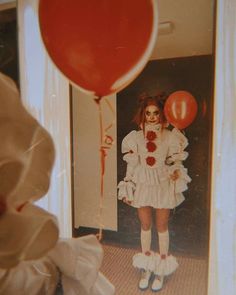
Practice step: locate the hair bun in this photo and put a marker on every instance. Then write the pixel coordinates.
(162, 97)
(142, 97)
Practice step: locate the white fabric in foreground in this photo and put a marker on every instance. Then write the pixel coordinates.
(26, 151)
(79, 261)
(28, 232)
(37, 277)
(26, 235)
(26, 161)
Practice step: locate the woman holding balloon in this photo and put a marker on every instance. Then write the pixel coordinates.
(154, 181)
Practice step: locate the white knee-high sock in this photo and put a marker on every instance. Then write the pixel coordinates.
(163, 243)
(146, 240)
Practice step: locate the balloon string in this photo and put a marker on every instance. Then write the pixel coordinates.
(105, 143)
(102, 167)
(113, 112)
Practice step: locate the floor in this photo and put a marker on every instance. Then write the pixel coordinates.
(189, 279)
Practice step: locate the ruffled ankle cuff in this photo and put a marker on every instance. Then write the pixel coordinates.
(164, 265)
(159, 265)
(144, 261)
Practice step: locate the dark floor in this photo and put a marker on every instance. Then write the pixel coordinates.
(188, 232)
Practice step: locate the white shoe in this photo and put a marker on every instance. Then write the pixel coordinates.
(144, 281)
(157, 283)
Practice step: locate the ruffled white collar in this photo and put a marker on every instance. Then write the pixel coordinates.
(155, 128)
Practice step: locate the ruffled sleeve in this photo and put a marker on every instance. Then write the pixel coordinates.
(176, 154)
(129, 149)
(178, 143)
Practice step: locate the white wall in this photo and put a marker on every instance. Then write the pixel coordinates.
(222, 263)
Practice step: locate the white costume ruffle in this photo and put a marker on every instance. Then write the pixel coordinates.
(145, 262)
(26, 235)
(35, 277)
(27, 232)
(151, 185)
(165, 266)
(126, 189)
(78, 261)
(156, 264)
(26, 160)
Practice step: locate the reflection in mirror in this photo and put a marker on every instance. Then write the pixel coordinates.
(183, 59)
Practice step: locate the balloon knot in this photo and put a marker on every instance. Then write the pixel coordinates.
(98, 99)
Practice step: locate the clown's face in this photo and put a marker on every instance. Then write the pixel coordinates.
(152, 115)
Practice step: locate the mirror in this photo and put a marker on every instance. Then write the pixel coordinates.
(183, 59)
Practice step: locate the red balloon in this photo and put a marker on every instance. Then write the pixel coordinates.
(100, 45)
(180, 109)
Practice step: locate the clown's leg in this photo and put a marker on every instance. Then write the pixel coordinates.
(162, 218)
(146, 245)
(145, 217)
(163, 248)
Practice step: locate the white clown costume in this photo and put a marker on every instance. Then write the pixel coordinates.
(33, 259)
(152, 156)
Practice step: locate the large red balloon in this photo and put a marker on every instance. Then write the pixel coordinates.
(180, 109)
(100, 45)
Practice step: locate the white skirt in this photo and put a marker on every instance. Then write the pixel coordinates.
(154, 187)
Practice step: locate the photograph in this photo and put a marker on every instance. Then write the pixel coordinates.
(117, 161)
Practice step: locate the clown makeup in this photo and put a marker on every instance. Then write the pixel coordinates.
(152, 115)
